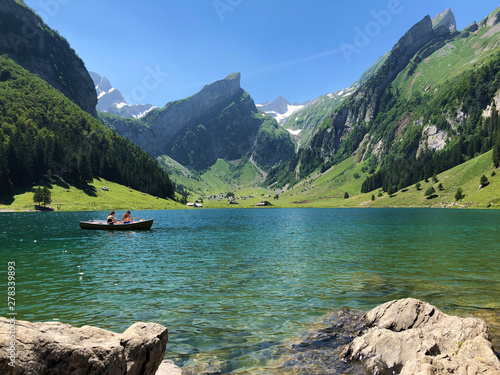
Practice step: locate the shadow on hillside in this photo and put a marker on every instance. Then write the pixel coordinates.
(8, 199)
(62, 184)
(90, 190)
(432, 196)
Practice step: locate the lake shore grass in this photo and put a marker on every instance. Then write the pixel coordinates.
(93, 198)
(325, 190)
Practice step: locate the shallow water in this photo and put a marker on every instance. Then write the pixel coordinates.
(233, 284)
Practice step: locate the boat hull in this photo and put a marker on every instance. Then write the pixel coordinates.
(102, 225)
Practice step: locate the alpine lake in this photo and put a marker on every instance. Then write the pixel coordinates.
(233, 285)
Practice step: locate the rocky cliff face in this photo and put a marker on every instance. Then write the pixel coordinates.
(32, 44)
(364, 104)
(183, 113)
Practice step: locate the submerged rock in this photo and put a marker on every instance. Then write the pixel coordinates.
(55, 348)
(409, 336)
(317, 350)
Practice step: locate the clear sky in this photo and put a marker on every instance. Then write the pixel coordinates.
(156, 51)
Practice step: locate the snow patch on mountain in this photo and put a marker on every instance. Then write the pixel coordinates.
(110, 100)
(281, 109)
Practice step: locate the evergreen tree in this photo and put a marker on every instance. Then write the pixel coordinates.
(46, 196)
(459, 195)
(38, 195)
(430, 191)
(496, 150)
(484, 181)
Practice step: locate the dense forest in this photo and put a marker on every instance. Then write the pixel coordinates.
(44, 136)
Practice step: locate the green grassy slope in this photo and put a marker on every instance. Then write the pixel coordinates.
(464, 51)
(70, 198)
(328, 190)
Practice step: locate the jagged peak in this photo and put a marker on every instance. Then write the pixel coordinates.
(233, 76)
(446, 20)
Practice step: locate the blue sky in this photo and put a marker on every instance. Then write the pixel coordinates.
(156, 51)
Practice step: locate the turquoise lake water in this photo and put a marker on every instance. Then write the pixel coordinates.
(233, 284)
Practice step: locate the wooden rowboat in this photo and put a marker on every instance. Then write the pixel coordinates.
(103, 225)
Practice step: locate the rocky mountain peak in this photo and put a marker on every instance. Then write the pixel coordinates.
(444, 22)
(279, 106)
(221, 89)
(111, 100)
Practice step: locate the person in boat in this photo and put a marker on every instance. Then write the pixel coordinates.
(126, 218)
(111, 217)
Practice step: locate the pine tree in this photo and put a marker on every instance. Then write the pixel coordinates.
(46, 196)
(38, 195)
(459, 195)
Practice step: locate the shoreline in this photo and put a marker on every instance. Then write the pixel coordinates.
(89, 209)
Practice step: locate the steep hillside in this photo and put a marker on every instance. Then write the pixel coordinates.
(419, 114)
(33, 45)
(219, 122)
(306, 120)
(45, 137)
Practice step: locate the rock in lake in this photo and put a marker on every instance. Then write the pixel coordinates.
(409, 336)
(55, 348)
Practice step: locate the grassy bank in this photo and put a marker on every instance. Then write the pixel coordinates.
(93, 198)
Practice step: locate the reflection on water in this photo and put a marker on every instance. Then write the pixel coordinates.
(232, 285)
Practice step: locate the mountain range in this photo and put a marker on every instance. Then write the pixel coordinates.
(219, 122)
(424, 107)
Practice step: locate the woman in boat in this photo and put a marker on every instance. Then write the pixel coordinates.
(111, 217)
(126, 217)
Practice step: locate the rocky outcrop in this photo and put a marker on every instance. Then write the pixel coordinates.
(411, 337)
(183, 113)
(29, 42)
(444, 22)
(55, 348)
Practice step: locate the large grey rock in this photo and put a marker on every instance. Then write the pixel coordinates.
(55, 348)
(444, 22)
(409, 336)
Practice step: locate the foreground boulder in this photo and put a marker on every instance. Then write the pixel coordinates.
(412, 337)
(55, 348)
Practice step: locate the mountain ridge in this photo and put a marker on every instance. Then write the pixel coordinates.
(369, 122)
